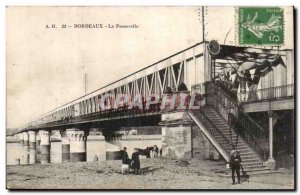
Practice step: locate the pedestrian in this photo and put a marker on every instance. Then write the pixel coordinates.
(124, 156)
(96, 158)
(155, 152)
(160, 152)
(232, 149)
(125, 168)
(135, 165)
(235, 165)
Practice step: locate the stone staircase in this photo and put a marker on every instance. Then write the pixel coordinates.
(222, 133)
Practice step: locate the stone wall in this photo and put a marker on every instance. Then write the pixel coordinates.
(201, 147)
(176, 142)
(183, 140)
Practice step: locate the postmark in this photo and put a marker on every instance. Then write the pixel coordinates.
(260, 26)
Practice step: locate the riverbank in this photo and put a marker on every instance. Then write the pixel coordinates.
(156, 174)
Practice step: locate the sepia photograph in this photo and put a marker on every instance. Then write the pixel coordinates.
(150, 98)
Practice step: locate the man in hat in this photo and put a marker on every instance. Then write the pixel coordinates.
(235, 165)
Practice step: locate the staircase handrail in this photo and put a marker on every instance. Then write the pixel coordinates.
(228, 97)
(252, 132)
(234, 102)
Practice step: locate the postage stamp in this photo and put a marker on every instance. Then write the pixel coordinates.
(260, 26)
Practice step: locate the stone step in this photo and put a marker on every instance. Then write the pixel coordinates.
(264, 172)
(213, 117)
(223, 127)
(256, 169)
(220, 121)
(228, 132)
(245, 150)
(250, 164)
(250, 159)
(247, 153)
(240, 142)
(249, 156)
(210, 112)
(242, 146)
(217, 122)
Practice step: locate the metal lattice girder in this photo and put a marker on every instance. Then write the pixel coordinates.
(154, 79)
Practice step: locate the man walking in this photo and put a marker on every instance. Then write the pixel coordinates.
(235, 165)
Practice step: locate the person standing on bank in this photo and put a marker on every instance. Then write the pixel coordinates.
(124, 156)
(155, 151)
(235, 165)
(135, 165)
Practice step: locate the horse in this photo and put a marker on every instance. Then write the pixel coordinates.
(145, 152)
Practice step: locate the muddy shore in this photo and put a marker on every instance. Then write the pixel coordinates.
(155, 174)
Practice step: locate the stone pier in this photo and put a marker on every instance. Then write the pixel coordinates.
(176, 135)
(96, 146)
(26, 138)
(38, 148)
(65, 146)
(45, 146)
(32, 147)
(77, 145)
(20, 136)
(25, 157)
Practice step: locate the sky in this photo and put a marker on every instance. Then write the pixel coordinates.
(45, 67)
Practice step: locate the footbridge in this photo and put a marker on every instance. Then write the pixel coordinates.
(224, 83)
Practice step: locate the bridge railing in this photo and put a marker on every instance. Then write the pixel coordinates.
(273, 93)
(121, 112)
(124, 111)
(173, 102)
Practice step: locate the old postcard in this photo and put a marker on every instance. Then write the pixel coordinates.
(147, 98)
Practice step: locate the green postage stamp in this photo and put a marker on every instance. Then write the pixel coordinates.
(260, 26)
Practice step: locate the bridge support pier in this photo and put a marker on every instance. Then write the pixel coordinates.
(45, 146)
(32, 147)
(96, 146)
(176, 135)
(20, 136)
(65, 146)
(38, 148)
(26, 138)
(77, 145)
(25, 157)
